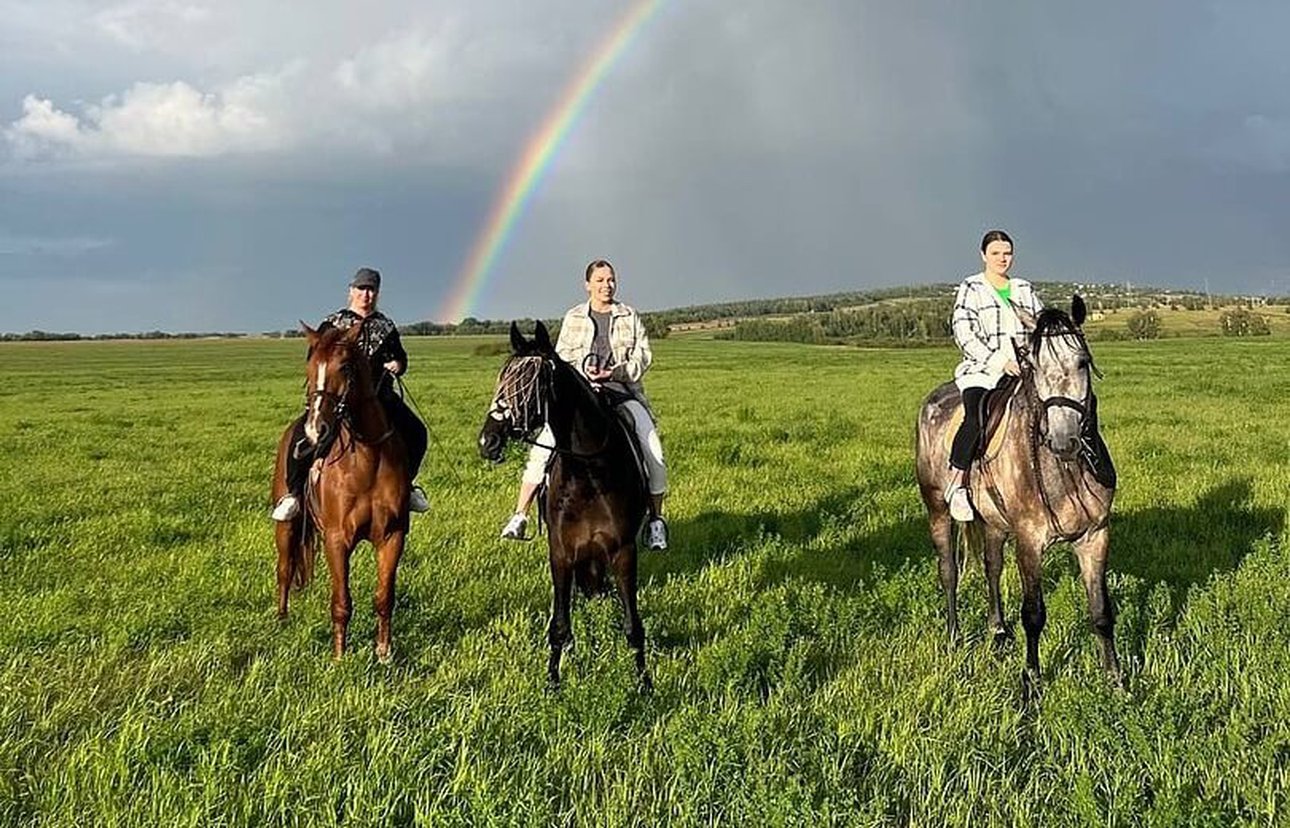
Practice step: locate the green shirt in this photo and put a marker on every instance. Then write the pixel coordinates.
(1005, 292)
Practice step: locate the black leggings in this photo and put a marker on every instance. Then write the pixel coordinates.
(969, 434)
(404, 421)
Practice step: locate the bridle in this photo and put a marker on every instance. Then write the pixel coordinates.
(342, 411)
(524, 389)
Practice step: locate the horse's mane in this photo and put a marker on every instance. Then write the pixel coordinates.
(1055, 322)
(1052, 322)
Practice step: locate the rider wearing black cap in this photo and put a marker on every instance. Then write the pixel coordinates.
(379, 339)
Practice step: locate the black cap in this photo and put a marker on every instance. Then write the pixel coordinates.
(366, 277)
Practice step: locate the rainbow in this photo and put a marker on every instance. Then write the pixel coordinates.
(536, 159)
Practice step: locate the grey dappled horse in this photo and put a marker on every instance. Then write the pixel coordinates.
(1036, 487)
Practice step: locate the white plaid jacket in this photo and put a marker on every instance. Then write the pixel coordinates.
(627, 341)
(985, 328)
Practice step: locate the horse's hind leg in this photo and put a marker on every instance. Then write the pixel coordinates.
(992, 555)
(285, 536)
(1091, 550)
(559, 632)
(625, 576)
(1033, 612)
(942, 530)
(387, 564)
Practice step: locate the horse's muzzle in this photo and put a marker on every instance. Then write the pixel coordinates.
(491, 445)
(1066, 449)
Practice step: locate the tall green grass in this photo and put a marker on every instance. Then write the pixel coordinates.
(794, 629)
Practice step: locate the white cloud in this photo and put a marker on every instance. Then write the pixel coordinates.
(158, 120)
(389, 94)
(143, 25)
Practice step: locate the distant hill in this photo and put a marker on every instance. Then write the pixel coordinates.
(913, 314)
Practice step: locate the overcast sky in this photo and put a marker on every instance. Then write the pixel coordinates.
(192, 165)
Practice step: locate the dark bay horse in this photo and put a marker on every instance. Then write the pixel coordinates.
(596, 498)
(357, 491)
(1037, 487)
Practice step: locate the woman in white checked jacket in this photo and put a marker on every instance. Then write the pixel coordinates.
(986, 325)
(606, 341)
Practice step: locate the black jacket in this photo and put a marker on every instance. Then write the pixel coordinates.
(379, 339)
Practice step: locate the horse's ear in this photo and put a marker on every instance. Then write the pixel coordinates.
(1027, 318)
(1079, 311)
(542, 337)
(311, 338)
(518, 343)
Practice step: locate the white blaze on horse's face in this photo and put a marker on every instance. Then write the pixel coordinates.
(315, 405)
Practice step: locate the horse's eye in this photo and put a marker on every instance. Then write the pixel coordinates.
(1083, 363)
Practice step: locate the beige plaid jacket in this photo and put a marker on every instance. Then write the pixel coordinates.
(627, 341)
(985, 328)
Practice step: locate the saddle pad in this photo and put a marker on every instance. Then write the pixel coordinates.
(997, 406)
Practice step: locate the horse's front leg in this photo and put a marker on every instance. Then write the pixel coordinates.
(624, 563)
(1091, 551)
(992, 554)
(942, 531)
(560, 629)
(1033, 613)
(338, 550)
(387, 564)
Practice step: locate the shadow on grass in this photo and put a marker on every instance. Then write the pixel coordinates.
(1179, 547)
(712, 537)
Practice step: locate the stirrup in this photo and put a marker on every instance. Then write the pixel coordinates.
(656, 534)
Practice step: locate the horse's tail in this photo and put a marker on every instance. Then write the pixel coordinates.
(969, 540)
(590, 577)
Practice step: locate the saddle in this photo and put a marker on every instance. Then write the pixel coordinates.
(994, 410)
(614, 399)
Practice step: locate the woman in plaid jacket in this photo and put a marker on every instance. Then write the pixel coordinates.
(606, 341)
(986, 324)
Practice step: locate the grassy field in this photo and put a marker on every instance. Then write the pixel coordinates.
(794, 630)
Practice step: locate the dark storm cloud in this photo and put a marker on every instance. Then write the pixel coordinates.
(756, 149)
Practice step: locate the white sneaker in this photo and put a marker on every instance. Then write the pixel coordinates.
(656, 534)
(960, 505)
(516, 527)
(417, 500)
(287, 508)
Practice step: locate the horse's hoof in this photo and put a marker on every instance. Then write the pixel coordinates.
(1002, 640)
(646, 684)
(384, 655)
(552, 686)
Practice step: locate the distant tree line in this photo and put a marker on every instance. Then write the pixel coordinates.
(49, 336)
(919, 321)
(898, 314)
(655, 327)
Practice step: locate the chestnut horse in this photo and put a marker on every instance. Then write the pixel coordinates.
(596, 497)
(357, 490)
(1038, 487)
